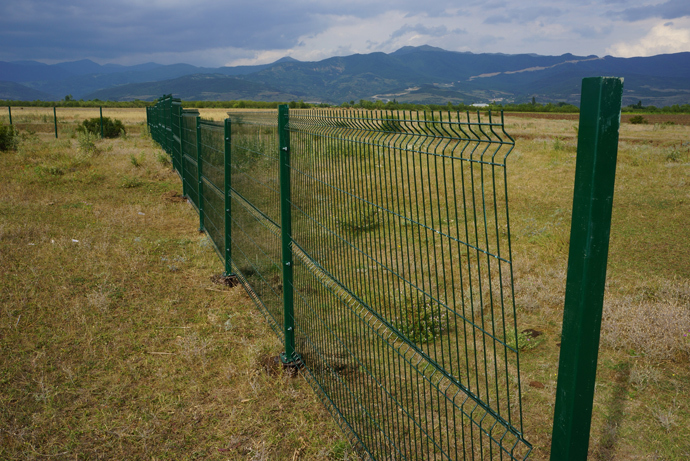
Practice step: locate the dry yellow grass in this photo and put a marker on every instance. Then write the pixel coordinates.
(644, 355)
(115, 342)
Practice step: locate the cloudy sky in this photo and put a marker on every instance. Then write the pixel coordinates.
(229, 32)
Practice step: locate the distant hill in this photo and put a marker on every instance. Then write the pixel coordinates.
(196, 87)
(15, 91)
(422, 74)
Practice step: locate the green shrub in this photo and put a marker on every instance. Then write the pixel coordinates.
(638, 120)
(87, 143)
(675, 155)
(8, 138)
(163, 159)
(130, 182)
(137, 161)
(422, 321)
(360, 218)
(112, 128)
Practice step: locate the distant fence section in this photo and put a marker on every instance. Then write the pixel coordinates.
(46, 120)
(377, 244)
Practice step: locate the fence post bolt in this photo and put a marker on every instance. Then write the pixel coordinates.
(595, 170)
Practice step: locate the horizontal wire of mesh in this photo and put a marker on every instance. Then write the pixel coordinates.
(255, 204)
(212, 143)
(404, 305)
(189, 149)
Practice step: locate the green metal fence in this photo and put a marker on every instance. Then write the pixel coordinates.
(377, 244)
(47, 120)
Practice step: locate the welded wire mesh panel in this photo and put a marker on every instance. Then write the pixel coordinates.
(404, 306)
(212, 144)
(255, 204)
(167, 125)
(190, 175)
(154, 117)
(176, 147)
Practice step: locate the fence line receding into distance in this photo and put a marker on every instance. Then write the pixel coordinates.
(377, 244)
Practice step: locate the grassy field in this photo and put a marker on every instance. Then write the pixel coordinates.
(641, 406)
(116, 343)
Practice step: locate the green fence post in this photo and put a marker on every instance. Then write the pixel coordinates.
(101, 109)
(200, 187)
(167, 129)
(289, 357)
(9, 109)
(178, 145)
(182, 168)
(595, 170)
(55, 120)
(228, 204)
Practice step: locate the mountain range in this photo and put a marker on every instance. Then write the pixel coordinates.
(422, 74)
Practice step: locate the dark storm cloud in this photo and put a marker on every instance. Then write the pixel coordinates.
(672, 9)
(215, 32)
(63, 30)
(71, 29)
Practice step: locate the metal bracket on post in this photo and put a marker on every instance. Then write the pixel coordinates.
(595, 171)
(289, 358)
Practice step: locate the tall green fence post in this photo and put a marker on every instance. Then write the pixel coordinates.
(101, 109)
(178, 145)
(289, 356)
(595, 171)
(182, 161)
(9, 109)
(200, 186)
(55, 120)
(228, 200)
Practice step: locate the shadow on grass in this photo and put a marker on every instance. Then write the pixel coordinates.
(615, 410)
